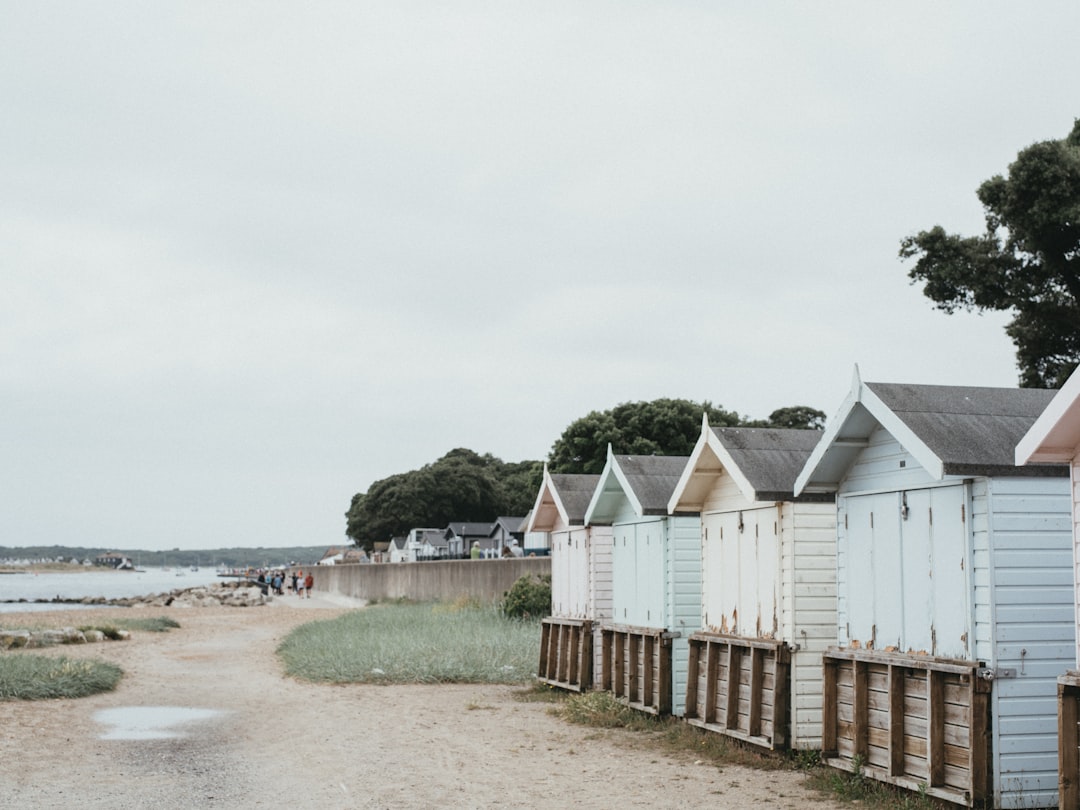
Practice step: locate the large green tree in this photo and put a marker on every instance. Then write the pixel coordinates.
(664, 427)
(460, 486)
(1027, 262)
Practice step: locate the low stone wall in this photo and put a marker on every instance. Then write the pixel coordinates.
(442, 581)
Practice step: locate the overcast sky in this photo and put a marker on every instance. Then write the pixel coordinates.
(255, 256)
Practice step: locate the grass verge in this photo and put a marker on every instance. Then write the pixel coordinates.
(414, 643)
(40, 677)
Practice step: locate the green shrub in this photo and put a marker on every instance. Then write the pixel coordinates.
(529, 597)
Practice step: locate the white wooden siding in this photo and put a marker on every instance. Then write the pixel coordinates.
(1033, 608)
(600, 605)
(884, 464)
(808, 616)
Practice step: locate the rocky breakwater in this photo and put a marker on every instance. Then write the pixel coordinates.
(230, 593)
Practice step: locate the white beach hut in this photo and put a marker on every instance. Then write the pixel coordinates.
(580, 579)
(1055, 439)
(656, 582)
(768, 586)
(951, 614)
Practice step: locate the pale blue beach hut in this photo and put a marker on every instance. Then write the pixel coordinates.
(656, 582)
(954, 618)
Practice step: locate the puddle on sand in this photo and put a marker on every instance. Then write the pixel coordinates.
(150, 722)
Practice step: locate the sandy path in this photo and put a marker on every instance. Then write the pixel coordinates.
(282, 743)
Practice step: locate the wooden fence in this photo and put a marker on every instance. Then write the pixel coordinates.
(739, 687)
(566, 653)
(918, 722)
(636, 667)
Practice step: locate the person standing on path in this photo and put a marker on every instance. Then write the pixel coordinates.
(309, 583)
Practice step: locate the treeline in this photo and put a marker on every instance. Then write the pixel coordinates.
(466, 486)
(212, 557)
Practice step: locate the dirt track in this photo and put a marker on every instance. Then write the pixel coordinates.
(281, 743)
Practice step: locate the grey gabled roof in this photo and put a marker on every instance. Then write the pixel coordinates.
(652, 479)
(950, 430)
(974, 431)
(510, 525)
(769, 458)
(575, 491)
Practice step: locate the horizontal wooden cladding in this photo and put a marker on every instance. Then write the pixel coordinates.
(566, 652)
(918, 722)
(636, 667)
(739, 687)
(1069, 740)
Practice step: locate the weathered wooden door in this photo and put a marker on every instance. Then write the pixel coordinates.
(905, 580)
(741, 578)
(638, 574)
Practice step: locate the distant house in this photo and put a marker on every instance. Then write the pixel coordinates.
(505, 531)
(425, 544)
(460, 536)
(333, 556)
(398, 551)
(113, 559)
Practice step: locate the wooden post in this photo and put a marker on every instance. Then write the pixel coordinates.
(828, 706)
(648, 685)
(1068, 747)
(693, 672)
(935, 728)
(545, 640)
(757, 661)
(619, 675)
(663, 688)
(712, 674)
(734, 673)
(633, 667)
(896, 719)
(861, 709)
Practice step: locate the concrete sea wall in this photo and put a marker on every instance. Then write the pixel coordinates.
(443, 581)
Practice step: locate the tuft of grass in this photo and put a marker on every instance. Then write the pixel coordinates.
(414, 643)
(604, 710)
(855, 787)
(40, 677)
(541, 693)
(150, 624)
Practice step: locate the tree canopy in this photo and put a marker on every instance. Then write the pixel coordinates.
(466, 486)
(1027, 262)
(460, 486)
(664, 427)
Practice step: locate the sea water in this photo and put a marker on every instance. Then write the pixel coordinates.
(93, 583)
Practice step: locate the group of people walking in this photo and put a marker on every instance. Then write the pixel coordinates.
(300, 584)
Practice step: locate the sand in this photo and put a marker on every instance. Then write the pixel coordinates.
(271, 741)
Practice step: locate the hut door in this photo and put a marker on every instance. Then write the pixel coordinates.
(741, 577)
(578, 574)
(638, 574)
(935, 578)
(904, 584)
(560, 574)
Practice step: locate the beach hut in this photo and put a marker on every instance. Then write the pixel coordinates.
(1055, 439)
(768, 586)
(950, 609)
(580, 579)
(656, 582)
